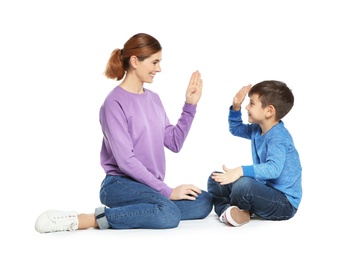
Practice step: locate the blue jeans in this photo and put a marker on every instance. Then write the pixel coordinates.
(131, 204)
(249, 194)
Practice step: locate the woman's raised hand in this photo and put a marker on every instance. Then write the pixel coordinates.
(194, 90)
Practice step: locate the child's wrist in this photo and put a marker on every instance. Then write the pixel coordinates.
(236, 107)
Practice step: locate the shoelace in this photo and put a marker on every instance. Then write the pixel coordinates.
(64, 223)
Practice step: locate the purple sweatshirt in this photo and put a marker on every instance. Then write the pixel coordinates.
(136, 129)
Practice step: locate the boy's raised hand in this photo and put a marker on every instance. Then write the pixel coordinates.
(239, 97)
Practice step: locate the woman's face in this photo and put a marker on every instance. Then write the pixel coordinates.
(147, 68)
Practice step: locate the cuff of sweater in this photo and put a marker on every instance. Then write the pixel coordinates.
(166, 192)
(248, 171)
(233, 113)
(190, 108)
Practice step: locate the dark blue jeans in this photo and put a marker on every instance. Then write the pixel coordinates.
(249, 194)
(131, 204)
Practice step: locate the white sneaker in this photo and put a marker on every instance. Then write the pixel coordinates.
(234, 216)
(55, 220)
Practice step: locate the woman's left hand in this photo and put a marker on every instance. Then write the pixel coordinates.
(194, 90)
(185, 192)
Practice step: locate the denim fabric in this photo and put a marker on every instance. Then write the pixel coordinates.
(249, 194)
(101, 219)
(130, 204)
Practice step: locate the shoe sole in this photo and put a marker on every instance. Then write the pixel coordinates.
(237, 217)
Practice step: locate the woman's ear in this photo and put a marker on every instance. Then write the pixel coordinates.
(134, 61)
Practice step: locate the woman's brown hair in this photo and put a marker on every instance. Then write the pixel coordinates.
(141, 45)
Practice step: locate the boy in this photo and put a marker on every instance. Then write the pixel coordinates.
(271, 187)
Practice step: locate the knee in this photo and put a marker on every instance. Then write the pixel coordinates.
(170, 216)
(211, 182)
(241, 188)
(210, 179)
(244, 183)
(207, 204)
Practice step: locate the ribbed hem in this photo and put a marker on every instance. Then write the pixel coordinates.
(101, 218)
(248, 171)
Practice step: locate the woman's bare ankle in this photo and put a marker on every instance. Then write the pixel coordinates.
(87, 221)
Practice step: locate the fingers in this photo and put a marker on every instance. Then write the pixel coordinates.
(248, 87)
(195, 80)
(191, 192)
(240, 96)
(219, 177)
(194, 90)
(225, 168)
(243, 91)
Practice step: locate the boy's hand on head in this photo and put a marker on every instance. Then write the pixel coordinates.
(228, 176)
(239, 97)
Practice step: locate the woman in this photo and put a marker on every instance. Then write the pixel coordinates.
(136, 129)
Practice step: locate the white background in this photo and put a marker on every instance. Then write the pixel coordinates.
(53, 54)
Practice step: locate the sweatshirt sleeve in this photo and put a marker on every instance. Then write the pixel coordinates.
(175, 135)
(236, 125)
(117, 138)
(271, 160)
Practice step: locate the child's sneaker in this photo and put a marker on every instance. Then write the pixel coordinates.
(234, 216)
(55, 220)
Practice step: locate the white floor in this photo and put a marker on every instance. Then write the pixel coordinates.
(306, 236)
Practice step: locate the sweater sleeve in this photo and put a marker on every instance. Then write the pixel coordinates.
(236, 125)
(269, 156)
(271, 166)
(175, 135)
(120, 148)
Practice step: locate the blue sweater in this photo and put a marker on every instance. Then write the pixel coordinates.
(276, 160)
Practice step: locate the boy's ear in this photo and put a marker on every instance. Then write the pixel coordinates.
(270, 111)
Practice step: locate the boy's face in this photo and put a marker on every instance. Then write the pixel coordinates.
(256, 113)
